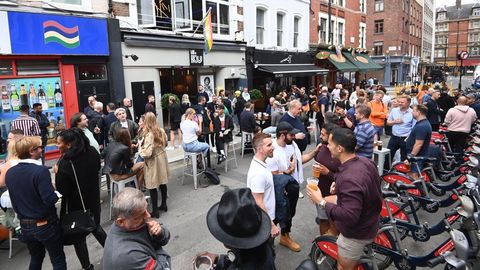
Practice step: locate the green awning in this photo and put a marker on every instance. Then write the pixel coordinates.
(362, 61)
(341, 63)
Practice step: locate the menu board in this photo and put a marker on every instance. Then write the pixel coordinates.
(46, 91)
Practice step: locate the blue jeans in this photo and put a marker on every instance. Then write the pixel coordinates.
(378, 131)
(49, 237)
(196, 147)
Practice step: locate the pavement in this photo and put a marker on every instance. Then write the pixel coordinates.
(186, 220)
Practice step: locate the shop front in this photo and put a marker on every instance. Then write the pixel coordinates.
(36, 66)
(272, 71)
(177, 65)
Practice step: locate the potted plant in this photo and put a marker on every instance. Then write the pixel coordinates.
(165, 98)
(255, 94)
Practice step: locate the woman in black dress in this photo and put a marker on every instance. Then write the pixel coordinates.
(76, 150)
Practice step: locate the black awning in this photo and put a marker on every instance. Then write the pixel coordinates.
(293, 70)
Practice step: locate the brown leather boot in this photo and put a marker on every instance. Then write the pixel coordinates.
(285, 240)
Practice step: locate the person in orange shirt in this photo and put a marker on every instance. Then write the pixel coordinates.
(379, 113)
(421, 93)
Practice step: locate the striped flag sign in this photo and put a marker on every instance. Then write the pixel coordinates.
(207, 32)
(55, 32)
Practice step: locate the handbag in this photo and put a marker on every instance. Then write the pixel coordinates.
(80, 221)
(314, 105)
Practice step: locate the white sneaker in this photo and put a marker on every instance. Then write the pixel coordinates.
(169, 148)
(300, 195)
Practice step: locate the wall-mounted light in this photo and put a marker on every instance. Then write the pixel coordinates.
(133, 56)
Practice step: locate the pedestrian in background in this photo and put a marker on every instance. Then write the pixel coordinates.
(175, 114)
(43, 124)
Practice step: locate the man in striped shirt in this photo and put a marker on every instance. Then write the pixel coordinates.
(364, 131)
(25, 123)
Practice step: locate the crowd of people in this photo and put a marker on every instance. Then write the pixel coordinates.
(346, 194)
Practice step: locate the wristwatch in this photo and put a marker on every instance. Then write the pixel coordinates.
(322, 203)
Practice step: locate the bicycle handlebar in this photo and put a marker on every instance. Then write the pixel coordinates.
(436, 261)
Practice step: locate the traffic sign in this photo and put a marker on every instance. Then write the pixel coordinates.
(462, 55)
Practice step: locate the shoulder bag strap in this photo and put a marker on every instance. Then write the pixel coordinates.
(78, 186)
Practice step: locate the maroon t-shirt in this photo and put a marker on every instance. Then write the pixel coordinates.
(359, 199)
(325, 158)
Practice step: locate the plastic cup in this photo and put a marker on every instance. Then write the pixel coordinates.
(379, 145)
(312, 183)
(316, 170)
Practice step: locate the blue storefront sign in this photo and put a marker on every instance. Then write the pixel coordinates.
(47, 34)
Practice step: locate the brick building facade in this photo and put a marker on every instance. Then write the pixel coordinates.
(349, 32)
(394, 34)
(457, 29)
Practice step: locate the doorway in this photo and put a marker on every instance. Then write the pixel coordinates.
(140, 93)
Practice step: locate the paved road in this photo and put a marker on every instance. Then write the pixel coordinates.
(466, 81)
(186, 221)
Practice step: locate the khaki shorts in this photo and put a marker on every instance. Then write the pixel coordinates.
(351, 249)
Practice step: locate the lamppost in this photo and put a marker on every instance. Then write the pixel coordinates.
(330, 33)
(388, 69)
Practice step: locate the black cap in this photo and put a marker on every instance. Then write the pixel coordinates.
(285, 127)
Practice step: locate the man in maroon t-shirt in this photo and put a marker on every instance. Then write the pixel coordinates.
(357, 206)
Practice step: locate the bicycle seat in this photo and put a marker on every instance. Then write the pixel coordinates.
(388, 194)
(399, 185)
(440, 131)
(439, 142)
(416, 159)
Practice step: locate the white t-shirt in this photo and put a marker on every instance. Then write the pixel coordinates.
(281, 159)
(189, 129)
(260, 180)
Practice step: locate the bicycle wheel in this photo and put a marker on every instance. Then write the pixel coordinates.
(384, 239)
(328, 260)
(320, 258)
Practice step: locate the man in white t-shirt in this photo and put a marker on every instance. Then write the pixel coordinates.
(287, 159)
(260, 179)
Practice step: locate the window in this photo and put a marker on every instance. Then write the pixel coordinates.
(340, 33)
(378, 48)
(6, 68)
(223, 19)
(279, 29)
(146, 13)
(476, 12)
(474, 50)
(260, 26)
(92, 72)
(441, 40)
(183, 15)
(340, 2)
(362, 6)
(379, 27)
(475, 24)
(30, 67)
(439, 53)
(378, 5)
(296, 26)
(442, 27)
(475, 37)
(80, 5)
(441, 16)
(322, 35)
(361, 41)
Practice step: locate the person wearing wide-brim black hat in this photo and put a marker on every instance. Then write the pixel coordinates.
(242, 227)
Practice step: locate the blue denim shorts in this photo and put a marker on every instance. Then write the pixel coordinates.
(196, 147)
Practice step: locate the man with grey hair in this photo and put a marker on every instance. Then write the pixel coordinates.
(122, 121)
(293, 118)
(135, 240)
(127, 104)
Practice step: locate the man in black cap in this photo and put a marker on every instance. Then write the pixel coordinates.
(244, 228)
(287, 161)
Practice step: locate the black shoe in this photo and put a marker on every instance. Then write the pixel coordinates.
(163, 208)
(238, 135)
(90, 267)
(221, 158)
(155, 214)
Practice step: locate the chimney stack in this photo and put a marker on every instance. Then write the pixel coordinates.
(459, 4)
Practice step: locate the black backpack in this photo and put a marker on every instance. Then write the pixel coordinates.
(212, 176)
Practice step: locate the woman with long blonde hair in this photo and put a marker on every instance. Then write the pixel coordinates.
(152, 149)
(12, 159)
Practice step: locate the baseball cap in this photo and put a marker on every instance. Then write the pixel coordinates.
(285, 127)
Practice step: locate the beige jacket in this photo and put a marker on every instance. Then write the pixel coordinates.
(156, 163)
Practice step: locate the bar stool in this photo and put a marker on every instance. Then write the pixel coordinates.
(245, 136)
(228, 157)
(380, 156)
(192, 171)
(120, 185)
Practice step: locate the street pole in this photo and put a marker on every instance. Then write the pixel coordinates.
(330, 38)
(460, 80)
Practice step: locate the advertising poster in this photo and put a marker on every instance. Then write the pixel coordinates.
(208, 85)
(47, 91)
